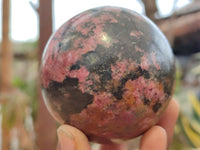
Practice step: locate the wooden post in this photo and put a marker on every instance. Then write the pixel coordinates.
(6, 51)
(150, 8)
(45, 126)
(6, 69)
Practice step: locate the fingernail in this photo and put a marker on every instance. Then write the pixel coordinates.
(66, 139)
(62, 132)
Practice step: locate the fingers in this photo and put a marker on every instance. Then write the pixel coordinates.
(71, 138)
(169, 118)
(113, 147)
(155, 139)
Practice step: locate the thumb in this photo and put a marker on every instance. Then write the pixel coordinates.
(155, 138)
(71, 138)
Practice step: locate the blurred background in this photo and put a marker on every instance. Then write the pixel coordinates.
(25, 27)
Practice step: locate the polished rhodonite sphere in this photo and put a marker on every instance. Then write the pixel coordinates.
(108, 72)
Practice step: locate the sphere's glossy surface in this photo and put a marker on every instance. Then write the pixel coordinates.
(109, 72)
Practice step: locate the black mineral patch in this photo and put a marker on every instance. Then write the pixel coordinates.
(118, 94)
(99, 62)
(143, 72)
(156, 107)
(146, 101)
(131, 76)
(66, 98)
(75, 66)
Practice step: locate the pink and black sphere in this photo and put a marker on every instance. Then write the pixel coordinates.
(108, 72)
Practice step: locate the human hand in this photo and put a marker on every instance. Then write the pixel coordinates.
(156, 138)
